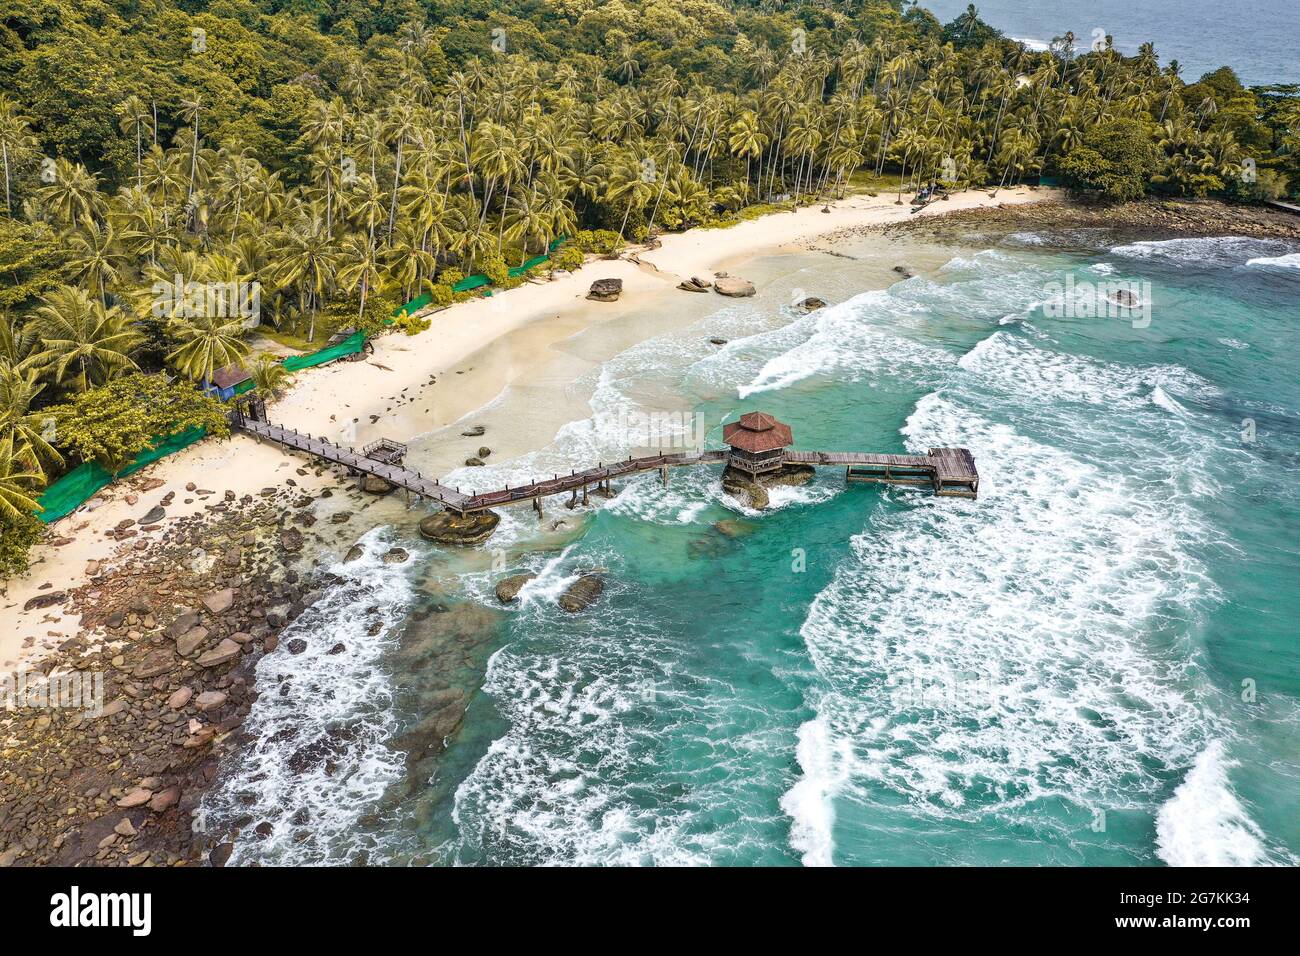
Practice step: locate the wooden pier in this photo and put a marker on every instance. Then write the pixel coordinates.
(947, 471)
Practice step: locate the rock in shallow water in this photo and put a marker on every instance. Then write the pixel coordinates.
(375, 485)
(508, 588)
(582, 593)
(733, 286)
(447, 527)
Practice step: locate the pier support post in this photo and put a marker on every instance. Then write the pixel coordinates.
(584, 494)
(663, 474)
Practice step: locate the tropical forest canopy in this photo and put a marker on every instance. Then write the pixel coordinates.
(343, 157)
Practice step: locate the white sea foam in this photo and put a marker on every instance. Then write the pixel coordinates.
(321, 724)
(1217, 250)
(1204, 824)
(844, 340)
(810, 802)
(1289, 261)
(984, 656)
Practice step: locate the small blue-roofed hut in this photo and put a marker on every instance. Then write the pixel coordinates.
(225, 381)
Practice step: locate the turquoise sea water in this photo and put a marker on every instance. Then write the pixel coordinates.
(1094, 663)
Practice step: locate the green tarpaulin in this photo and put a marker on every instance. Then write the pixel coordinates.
(349, 346)
(76, 487)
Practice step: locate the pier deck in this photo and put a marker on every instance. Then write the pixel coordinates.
(948, 471)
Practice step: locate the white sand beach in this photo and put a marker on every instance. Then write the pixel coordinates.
(474, 350)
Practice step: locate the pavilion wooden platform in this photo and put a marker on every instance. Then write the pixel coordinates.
(948, 472)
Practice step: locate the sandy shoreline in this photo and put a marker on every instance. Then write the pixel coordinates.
(474, 350)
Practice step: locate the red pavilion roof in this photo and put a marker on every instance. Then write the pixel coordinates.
(757, 432)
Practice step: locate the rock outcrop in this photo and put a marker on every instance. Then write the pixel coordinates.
(695, 284)
(747, 491)
(744, 489)
(373, 484)
(811, 304)
(733, 286)
(508, 588)
(605, 290)
(582, 593)
(447, 527)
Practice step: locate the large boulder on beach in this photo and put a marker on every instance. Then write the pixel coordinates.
(375, 485)
(733, 286)
(582, 593)
(605, 290)
(811, 304)
(447, 527)
(508, 588)
(694, 284)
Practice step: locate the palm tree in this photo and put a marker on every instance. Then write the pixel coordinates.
(191, 108)
(17, 144)
(307, 259)
(207, 343)
(79, 333)
(74, 195)
(16, 481)
(23, 428)
(94, 257)
(359, 268)
(135, 119)
(270, 377)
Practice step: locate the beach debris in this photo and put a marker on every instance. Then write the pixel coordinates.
(733, 286)
(605, 290)
(508, 588)
(474, 431)
(695, 284)
(447, 527)
(45, 600)
(582, 593)
(811, 304)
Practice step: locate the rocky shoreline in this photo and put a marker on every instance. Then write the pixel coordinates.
(174, 629)
(1148, 218)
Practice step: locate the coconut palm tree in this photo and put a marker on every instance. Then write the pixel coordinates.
(82, 336)
(136, 119)
(359, 268)
(17, 144)
(17, 483)
(307, 260)
(94, 257)
(191, 108)
(74, 195)
(24, 428)
(270, 377)
(206, 343)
